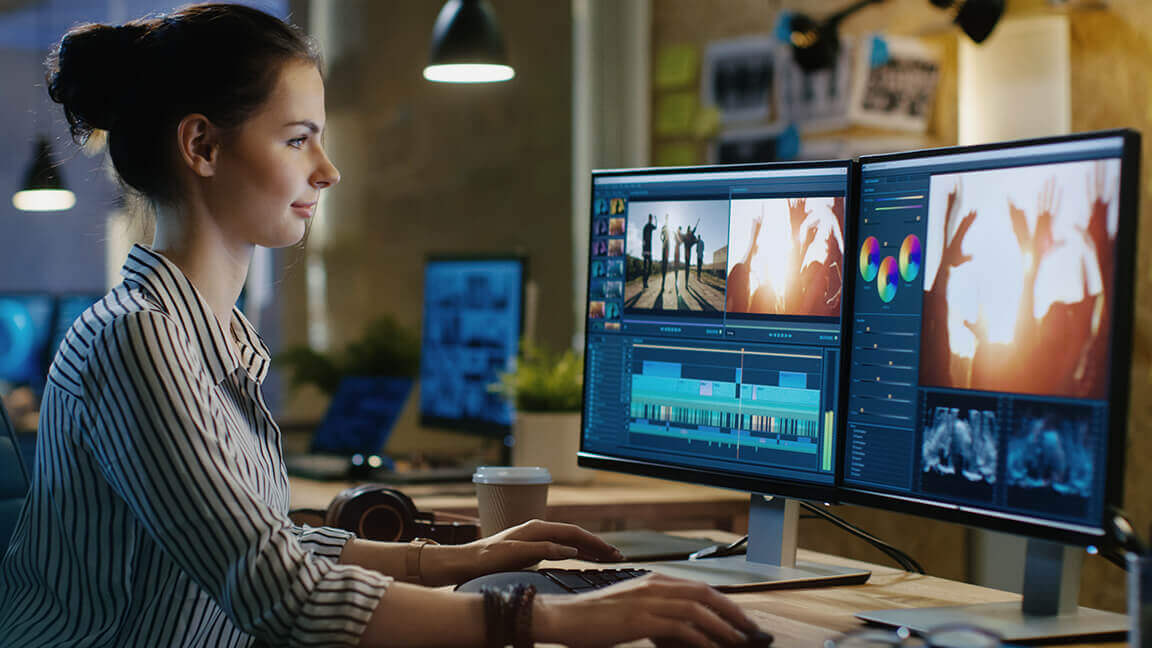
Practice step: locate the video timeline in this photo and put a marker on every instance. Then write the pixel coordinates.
(760, 405)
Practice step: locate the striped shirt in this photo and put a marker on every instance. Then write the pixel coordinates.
(157, 510)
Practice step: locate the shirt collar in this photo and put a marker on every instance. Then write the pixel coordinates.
(177, 296)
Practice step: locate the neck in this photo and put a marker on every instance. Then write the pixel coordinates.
(216, 265)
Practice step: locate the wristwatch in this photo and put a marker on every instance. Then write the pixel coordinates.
(412, 561)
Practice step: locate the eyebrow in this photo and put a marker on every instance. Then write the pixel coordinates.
(311, 125)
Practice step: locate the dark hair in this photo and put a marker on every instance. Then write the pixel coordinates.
(138, 80)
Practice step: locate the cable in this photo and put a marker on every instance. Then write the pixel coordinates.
(904, 560)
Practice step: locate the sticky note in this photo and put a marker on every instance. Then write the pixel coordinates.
(675, 112)
(676, 154)
(676, 66)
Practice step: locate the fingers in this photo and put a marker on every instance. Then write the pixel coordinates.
(665, 587)
(588, 546)
(681, 632)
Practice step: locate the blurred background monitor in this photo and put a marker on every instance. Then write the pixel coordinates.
(989, 355)
(473, 319)
(26, 328)
(68, 309)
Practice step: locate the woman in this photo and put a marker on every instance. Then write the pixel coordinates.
(156, 516)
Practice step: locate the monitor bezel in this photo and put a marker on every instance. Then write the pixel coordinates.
(1119, 382)
(475, 427)
(701, 476)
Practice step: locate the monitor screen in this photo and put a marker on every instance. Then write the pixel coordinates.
(714, 324)
(25, 331)
(473, 314)
(990, 333)
(68, 310)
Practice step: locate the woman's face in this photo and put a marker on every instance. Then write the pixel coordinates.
(272, 167)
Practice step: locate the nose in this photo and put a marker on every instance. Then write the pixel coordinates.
(326, 173)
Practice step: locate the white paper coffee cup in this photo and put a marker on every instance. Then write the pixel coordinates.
(510, 495)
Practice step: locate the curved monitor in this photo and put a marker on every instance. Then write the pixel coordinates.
(990, 338)
(713, 338)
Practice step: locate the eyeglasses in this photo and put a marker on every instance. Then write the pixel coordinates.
(946, 636)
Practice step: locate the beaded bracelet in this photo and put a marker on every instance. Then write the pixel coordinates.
(508, 616)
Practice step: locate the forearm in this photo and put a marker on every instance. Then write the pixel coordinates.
(408, 615)
(438, 564)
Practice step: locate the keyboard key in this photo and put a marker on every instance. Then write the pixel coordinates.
(571, 579)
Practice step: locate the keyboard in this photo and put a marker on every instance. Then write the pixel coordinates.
(554, 581)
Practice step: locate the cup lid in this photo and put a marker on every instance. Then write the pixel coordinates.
(511, 475)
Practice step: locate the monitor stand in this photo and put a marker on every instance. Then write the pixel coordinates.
(770, 562)
(1048, 610)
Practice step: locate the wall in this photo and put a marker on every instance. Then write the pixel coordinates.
(48, 251)
(435, 168)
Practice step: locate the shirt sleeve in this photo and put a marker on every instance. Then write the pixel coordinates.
(160, 433)
(322, 541)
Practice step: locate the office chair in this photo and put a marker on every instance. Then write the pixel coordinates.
(13, 479)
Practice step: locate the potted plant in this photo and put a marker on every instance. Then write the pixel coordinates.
(547, 389)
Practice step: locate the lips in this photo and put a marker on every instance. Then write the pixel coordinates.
(304, 208)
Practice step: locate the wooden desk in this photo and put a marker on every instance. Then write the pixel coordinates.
(807, 617)
(608, 504)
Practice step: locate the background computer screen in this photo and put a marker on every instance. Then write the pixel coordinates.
(473, 314)
(990, 333)
(25, 331)
(714, 324)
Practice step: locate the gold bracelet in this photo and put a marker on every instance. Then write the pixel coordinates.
(413, 574)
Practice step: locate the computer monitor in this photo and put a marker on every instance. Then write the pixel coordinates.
(25, 331)
(713, 344)
(68, 310)
(989, 353)
(473, 317)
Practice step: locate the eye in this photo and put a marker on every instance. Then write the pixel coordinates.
(298, 142)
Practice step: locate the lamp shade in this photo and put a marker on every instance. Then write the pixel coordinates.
(977, 18)
(467, 46)
(43, 188)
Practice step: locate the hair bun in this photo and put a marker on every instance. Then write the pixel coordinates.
(88, 74)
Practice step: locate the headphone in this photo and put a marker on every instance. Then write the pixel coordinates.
(376, 512)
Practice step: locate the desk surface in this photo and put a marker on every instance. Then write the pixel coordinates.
(806, 617)
(608, 503)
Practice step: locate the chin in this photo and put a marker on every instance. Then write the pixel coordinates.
(287, 236)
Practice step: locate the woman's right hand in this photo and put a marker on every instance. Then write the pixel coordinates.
(664, 609)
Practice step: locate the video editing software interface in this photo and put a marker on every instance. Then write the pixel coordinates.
(714, 327)
(980, 360)
(473, 312)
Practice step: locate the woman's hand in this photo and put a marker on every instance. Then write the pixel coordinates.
(665, 609)
(515, 548)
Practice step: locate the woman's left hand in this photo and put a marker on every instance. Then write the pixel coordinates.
(515, 548)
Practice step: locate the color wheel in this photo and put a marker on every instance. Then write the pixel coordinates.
(869, 258)
(888, 279)
(911, 257)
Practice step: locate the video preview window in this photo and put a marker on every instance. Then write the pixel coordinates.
(1018, 279)
(763, 256)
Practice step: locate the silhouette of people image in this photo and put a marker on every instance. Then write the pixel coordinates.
(739, 278)
(689, 241)
(676, 260)
(649, 227)
(699, 256)
(664, 255)
(1062, 351)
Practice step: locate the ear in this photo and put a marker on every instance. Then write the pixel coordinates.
(198, 143)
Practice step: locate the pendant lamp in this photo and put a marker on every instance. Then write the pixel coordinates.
(43, 188)
(467, 46)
